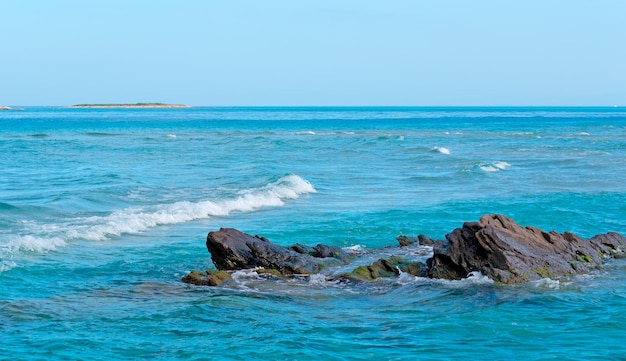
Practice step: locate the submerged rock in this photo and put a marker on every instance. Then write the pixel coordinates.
(496, 246)
(506, 252)
(207, 278)
(386, 268)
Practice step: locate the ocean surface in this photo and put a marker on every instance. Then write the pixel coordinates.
(102, 211)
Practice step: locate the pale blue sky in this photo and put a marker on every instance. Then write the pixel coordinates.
(249, 53)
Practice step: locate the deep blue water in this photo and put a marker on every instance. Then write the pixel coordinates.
(103, 211)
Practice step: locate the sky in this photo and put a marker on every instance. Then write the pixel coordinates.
(314, 53)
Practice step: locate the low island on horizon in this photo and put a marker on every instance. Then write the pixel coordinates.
(125, 106)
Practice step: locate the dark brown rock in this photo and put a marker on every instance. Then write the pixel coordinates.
(303, 249)
(320, 251)
(509, 253)
(425, 240)
(496, 246)
(233, 250)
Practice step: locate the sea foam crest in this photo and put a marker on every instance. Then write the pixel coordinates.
(355, 248)
(137, 220)
(549, 283)
(17, 244)
(441, 150)
(472, 279)
(30, 243)
(44, 238)
(494, 166)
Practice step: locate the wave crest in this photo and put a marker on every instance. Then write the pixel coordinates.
(441, 150)
(44, 238)
(494, 166)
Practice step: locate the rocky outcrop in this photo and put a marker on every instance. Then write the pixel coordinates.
(233, 250)
(506, 252)
(496, 246)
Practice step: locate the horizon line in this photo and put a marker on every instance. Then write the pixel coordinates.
(357, 106)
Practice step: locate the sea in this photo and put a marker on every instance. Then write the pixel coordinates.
(103, 211)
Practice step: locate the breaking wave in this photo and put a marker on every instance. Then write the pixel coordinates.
(48, 237)
(494, 166)
(441, 150)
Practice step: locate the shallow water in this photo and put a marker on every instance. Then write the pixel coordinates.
(103, 211)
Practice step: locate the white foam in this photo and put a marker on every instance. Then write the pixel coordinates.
(170, 136)
(494, 166)
(478, 278)
(246, 274)
(6, 265)
(317, 279)
(244, 278)
(48, 237)
(30, 243)
(501, 165)
(357, 248)
(309, 132)
(19, 244)
(472, 279)
(442, 150)
(548, 283)
(488, 168)
(137, 220)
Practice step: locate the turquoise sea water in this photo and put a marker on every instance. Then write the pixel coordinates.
(103, 211)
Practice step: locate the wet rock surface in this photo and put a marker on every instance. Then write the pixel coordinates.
(234, 250)
(496, 246)
(506, 252)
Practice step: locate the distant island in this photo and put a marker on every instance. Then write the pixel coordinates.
(3, 107)
(136, 105)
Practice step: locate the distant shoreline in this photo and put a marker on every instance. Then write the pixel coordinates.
(2, 107)
(129, 106)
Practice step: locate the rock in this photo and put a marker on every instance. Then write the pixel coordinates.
(380, 268)
(421, 239)
(386, 268)
(303, 249)
(496, 246)
(207, 278)
(269, 272)
(233, 250)
(406, 240)
(320, 251)
(326, 251)
(506, 252)
(425, 240)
